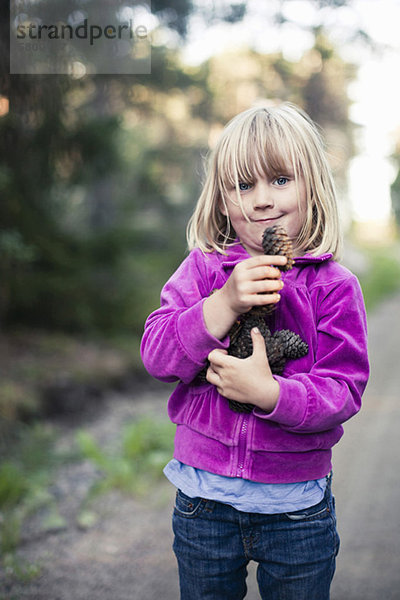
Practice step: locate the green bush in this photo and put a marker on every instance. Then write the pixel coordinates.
(25, 476)
(146, 446)
(383, 276)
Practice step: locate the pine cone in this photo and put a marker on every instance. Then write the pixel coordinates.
(276, 241)
(293, 345)
(282, 344)
(241, 345)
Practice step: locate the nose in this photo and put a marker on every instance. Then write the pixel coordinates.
(262, 197)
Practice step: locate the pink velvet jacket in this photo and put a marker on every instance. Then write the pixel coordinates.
(323, 303)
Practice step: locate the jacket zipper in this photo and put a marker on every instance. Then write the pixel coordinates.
(242, 445)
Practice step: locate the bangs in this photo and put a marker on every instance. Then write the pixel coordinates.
(271, 142)
(259, 146)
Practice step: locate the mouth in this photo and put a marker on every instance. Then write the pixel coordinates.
(267, 219)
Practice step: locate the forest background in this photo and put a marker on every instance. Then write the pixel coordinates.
(99, 175)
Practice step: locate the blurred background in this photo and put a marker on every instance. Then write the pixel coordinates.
(98, 177)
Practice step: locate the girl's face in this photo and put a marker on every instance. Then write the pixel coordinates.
(267, 202)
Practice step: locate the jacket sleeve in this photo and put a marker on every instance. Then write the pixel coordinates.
(176, 342)
(330, 393)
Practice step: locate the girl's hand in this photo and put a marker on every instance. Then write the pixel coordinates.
(247, 380)
(253, 282)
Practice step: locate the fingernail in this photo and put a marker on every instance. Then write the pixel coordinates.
(256, 330)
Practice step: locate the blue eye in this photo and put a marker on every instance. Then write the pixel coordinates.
(244, 187)
(281, 180)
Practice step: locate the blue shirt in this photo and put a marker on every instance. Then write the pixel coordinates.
(242, 494)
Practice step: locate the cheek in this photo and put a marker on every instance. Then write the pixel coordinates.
(228, 205)
(232, 210)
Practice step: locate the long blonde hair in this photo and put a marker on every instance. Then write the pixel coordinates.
(273, 141)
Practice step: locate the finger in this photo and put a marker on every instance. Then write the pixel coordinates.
(212, 376)
(259, 349)
(276, 259)
(264, 272)
(264, 299)
(216, 357)
(217, 370)
(266, 259)
(266, 286)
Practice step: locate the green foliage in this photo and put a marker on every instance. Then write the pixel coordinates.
(20, 569)
(25, 476)
(383, 276)
(13, 485)
(29, 465)
(145, 448)
(13, 249)
(27, 470)
(94, 213)
(395, 191)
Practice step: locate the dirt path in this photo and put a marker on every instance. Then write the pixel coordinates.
(126, 554)
(366, 477)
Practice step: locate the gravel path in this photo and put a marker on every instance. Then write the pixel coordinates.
(126, 554)
(366, 470)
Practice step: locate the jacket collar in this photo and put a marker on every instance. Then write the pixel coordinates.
(307, 259)
(236, 253)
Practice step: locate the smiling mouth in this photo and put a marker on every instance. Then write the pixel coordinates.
(266, 220)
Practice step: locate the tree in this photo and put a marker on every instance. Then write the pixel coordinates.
(77, 179)
(99, 174)
(395, 190)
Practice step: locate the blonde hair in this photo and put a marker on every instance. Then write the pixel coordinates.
(274, 141)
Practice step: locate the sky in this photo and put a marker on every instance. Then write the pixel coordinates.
(375, 93)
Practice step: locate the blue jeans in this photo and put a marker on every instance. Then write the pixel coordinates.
(214, 543)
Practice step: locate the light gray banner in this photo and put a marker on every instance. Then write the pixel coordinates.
(79, 37)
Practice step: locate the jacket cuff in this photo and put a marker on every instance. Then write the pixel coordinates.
(290, 409)
(194, 336)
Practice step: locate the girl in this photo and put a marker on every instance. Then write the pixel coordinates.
(256, 486)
